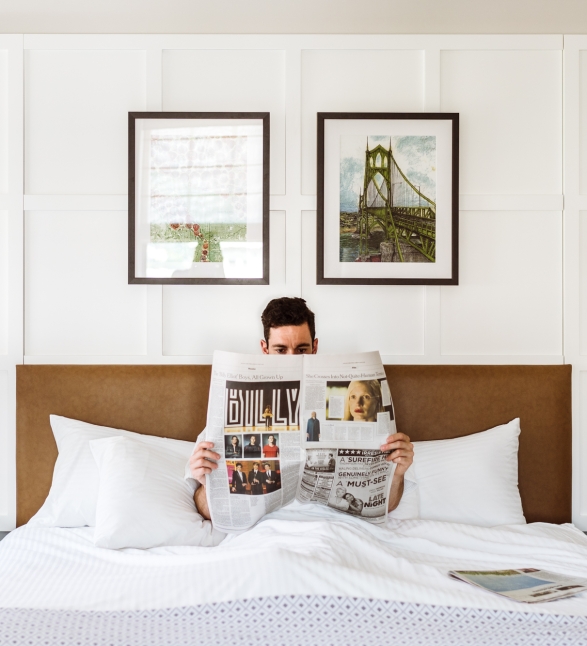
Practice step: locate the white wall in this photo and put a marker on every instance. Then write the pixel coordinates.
(64, 102)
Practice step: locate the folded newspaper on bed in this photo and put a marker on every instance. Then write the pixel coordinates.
(306, 427)
(527, 584)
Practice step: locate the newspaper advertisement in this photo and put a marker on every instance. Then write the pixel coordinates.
(347, 413)
(304, 426)
(528, 585)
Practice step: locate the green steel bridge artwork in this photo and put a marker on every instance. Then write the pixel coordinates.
(394, 216)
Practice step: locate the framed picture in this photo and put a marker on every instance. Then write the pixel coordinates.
(388, 190)
(198, 198)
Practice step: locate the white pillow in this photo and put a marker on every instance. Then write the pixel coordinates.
(472, 479)
(409, 505)
(74, 491)
(144, 500)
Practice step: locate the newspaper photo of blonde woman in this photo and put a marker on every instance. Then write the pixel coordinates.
(363, 401)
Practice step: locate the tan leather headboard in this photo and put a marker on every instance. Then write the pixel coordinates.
(431, 402)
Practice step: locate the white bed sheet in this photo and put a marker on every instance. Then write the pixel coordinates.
(300, 549)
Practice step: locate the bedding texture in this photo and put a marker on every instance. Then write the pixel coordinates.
(291, 621)
(471, 479)
(298, 550)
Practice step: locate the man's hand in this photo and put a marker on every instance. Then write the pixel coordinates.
(402, 452)
(201, 461)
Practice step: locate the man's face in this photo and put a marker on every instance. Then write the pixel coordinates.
(267, 467)
(313, 415)
(238, 467)
(254, 439)
(255, 466)
(290, 339)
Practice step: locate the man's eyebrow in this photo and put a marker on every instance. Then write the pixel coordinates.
(280, 346)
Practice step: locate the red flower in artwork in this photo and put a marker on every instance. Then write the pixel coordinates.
(175, 226)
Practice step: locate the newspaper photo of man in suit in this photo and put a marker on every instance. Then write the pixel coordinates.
(272, 477)
(256, 480)
(239, 480)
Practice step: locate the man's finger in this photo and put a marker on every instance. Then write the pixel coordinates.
(205, 455)
(397, 437)
(397, 445)
(204, 462)
(398, 453)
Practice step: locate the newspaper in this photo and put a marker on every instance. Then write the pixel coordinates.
(527, 584)
(306, 427)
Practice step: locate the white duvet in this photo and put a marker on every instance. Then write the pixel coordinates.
(297, 550)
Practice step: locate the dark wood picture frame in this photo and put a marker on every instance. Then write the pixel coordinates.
(453, 279)
(133, 279)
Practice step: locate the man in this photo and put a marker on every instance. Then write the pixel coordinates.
(331, 462)
(252, 449)
(256, 479)
(289, 328)
(239, 480)
(272, 482)
(313, 428)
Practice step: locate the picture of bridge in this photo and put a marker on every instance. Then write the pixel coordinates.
(388, 214)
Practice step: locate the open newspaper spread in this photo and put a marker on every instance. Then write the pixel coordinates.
(306, 427)
(527, 584)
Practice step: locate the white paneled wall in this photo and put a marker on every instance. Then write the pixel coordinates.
(3, 122)
(510, 104)
(77, 300)
(63, 113)
(509, 300)
(75, 119)
(575, 255)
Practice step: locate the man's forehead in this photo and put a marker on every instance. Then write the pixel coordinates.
(288, 334)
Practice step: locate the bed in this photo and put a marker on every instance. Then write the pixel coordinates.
(303, 575)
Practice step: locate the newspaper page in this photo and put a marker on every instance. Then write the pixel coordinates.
(254, 422)
(526, 584)
(347, 413)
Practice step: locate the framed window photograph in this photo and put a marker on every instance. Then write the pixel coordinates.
(388, 190)
(198, 198)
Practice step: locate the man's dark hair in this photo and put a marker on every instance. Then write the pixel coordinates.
(238, 464)
(287, 311)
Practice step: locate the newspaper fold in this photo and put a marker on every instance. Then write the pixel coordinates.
(526, 584)
(308, 427)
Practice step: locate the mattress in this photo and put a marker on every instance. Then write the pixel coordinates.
(301, 569)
